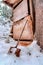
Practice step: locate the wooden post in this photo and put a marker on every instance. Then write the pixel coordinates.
(32, 13)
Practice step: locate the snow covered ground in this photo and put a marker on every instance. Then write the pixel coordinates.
(30, 55)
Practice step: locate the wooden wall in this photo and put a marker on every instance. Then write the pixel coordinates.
(39, 21)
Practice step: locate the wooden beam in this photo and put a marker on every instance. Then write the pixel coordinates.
(32, 13)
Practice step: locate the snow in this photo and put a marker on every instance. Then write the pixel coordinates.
(29, 55)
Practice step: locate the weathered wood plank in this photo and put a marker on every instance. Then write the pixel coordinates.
(31, 8)
(20, 11)
(39, 21)
(32, 13)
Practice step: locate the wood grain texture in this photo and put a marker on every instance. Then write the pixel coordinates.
(39, 21)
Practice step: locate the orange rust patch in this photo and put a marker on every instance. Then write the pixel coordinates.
(25, 43)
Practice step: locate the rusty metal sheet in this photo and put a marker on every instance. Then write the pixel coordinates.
(28, 31)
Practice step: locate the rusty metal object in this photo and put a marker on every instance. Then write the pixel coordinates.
(28, 31)
(22, 43)
(18, 40)
(17, 52)
(22, 29)
(25, 43)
